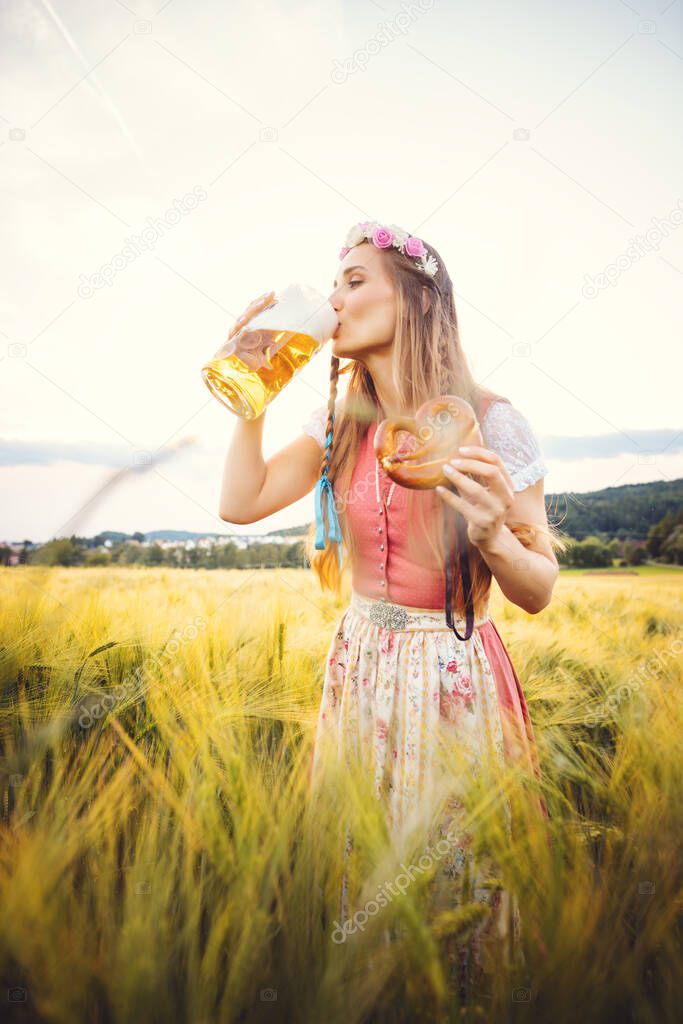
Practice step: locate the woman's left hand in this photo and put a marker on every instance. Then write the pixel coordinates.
(483, 504)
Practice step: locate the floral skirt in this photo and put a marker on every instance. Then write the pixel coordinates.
(408, 700)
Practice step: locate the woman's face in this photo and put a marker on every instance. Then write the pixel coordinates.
(365, 302)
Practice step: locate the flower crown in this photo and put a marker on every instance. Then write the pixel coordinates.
(390, 235)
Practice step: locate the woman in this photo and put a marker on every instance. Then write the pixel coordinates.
(399, 685)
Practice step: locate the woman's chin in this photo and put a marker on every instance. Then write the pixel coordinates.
(339, 350)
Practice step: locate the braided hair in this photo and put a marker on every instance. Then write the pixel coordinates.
(329, 424)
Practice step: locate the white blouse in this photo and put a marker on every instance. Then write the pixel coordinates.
(504, 429)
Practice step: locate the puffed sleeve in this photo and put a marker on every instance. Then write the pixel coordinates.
(507, 431)
(315, 426)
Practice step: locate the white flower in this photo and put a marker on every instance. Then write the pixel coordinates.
(400, 236)
(354, 237)
(429, 265)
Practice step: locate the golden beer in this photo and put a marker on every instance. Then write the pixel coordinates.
(253, 367)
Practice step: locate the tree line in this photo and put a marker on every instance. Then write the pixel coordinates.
(664, 543)
(78, 551)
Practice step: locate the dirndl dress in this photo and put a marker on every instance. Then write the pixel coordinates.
(405, 695)
(400, 691)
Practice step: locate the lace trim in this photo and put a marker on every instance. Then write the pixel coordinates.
(507, 431)
(526, 477)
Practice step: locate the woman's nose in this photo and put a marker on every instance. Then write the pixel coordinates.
(337, 296)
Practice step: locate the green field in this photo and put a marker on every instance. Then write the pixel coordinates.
(162, 859)
(651, 569)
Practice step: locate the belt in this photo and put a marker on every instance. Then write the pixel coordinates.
(400, 617)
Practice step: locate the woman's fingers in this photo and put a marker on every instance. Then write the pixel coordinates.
(456, 502)
(492, 477)
(254, 307)
(492, 493)
(475, 459)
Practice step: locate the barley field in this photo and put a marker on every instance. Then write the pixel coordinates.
(162, 857)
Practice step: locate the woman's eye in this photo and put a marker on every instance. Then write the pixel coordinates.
(351, 283)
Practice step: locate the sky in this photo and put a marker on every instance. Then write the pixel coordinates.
(536, 146)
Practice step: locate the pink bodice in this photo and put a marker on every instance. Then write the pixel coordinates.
(389, 563)
(383, 566)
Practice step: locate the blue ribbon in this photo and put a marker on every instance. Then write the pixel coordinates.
(333, 528)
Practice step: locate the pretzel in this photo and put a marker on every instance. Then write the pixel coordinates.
(440, 426)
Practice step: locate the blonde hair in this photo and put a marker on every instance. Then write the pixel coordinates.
(428, 360)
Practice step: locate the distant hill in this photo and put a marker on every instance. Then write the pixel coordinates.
(290, 531)
(623, 512)
(116, 536)
(293, 531)
(179, 535)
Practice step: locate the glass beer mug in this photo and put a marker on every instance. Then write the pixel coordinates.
(250, 369)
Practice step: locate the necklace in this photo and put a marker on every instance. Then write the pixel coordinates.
(391, 489)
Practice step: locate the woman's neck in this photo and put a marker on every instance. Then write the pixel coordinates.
(379, 366)
(389, 404)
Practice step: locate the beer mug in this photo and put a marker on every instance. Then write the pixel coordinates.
(250, 369)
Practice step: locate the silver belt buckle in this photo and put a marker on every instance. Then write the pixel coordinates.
(388, 616)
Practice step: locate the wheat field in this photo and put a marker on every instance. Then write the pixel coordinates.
(162, 858)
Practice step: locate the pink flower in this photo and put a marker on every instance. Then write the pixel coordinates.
(463, 686)
(452, 666)
(382, 728)
(393, 754)
(386, 641)
(415, 246)
(332, 662)
(342, 253)
(383, 238)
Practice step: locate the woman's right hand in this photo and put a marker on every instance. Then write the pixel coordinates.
(257, 306)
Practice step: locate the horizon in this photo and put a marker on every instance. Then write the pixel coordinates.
(282, 530)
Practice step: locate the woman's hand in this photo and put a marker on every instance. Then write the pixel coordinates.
(257, 306)
(483, 504)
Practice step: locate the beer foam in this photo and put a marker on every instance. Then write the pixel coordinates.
(301, 309)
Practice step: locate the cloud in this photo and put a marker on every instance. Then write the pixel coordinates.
(606, 446)
(563, 449)
(44, 453)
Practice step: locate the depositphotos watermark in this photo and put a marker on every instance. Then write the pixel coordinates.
(645, 672)
(638, 248)
(360, 918)
(137, 245)
(92, 714)
(359, 59)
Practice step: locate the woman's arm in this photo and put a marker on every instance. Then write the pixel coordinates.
(252, 488)
(525, 575)
(244, 471)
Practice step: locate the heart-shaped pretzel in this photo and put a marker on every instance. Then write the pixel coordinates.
(439, 427)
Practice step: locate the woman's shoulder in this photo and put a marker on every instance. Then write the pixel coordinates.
(315, 425)
(507, 431)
